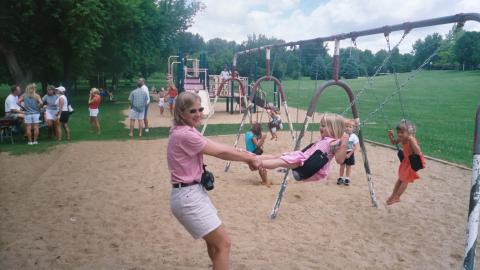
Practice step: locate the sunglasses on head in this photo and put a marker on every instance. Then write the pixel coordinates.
(196, 110)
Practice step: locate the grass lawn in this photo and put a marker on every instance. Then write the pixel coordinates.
(441, 103)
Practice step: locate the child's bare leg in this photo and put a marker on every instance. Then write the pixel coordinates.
(342, 170)
(349, 171)
(263, 176)
(394, 197)
(277, 163)
(401, 189)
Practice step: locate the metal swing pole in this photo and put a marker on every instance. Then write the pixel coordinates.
(474, 207)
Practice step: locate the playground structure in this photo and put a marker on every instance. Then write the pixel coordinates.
(459, 19)
(191, 79)
(225, 88)
(231, 92)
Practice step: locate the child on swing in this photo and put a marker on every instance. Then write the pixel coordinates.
(406, 172)
(333, 142)
(275, 123)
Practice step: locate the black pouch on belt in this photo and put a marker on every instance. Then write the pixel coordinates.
(207, 179)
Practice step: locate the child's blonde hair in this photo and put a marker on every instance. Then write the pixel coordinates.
(335, 124)
(350, 122)
(407, 126)
(94, 91)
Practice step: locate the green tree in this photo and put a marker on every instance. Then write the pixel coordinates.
(467, 50)
(422, 49)
(366, 63)
(57, 41)
(309, 52)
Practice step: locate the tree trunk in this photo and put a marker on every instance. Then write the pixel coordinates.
(19, 76)
(67, 72)
(114, 82)
(44, 87)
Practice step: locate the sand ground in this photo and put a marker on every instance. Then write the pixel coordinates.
(220, 116)
(105, 205)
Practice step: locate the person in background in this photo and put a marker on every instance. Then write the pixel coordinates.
(225, 74)
(275, 123)
(93, 103)
(138, 101)
(12, 108)
(32, 104)
(63, 114)
(254, 141)
(172, 94)
(353, 143)
(161, 100)
(141, 81)
(49, 100)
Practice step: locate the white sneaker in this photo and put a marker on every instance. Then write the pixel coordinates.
(147, 130)
(30, 143)
(35, 142)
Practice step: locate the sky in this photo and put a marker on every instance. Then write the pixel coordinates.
(293, 20)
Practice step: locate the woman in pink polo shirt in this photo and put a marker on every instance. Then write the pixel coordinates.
(189, 201)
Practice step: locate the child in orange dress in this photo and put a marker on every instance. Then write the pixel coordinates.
(406, 175)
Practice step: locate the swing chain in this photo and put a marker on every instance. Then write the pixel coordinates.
(412, 76)
(370, 79)
(387, 99)
(400, 99)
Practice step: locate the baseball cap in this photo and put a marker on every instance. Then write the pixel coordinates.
(60, 88)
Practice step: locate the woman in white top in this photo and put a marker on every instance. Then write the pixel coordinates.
(161, 100)
(63, 114)
(49, 100)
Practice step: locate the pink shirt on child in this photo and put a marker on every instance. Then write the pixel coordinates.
(299, 157)
(184, 156)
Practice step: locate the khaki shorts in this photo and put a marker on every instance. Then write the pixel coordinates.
(194, 210)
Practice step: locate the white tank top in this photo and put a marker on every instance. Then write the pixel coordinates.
(65, 103)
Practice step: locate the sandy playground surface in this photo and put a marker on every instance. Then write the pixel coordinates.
(220, 116)
(105, 205)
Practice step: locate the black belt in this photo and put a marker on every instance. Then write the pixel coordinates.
(179, 185)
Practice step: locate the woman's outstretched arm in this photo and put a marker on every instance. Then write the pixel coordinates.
(227, 152)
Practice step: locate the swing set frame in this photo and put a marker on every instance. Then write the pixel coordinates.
(460, 19)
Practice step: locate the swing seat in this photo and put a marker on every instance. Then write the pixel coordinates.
(400, 155)
(416, 162)
(311, 166)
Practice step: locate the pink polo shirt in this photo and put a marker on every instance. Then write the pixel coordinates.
(184, 156)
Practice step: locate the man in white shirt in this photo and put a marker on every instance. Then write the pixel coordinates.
(225, 74)
(12, 109)
(141, 81)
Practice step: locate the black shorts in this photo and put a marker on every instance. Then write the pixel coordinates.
(64, 115)
(350, 161)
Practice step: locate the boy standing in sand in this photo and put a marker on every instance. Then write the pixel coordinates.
(350, 158)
